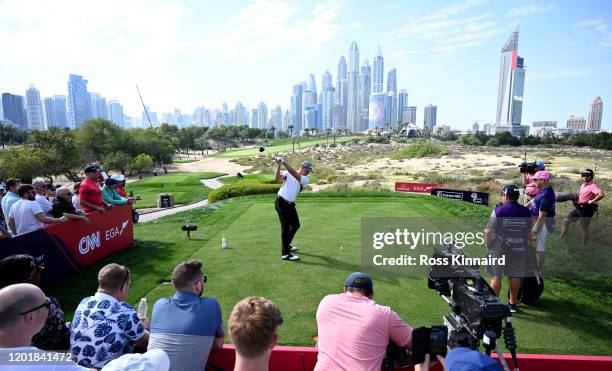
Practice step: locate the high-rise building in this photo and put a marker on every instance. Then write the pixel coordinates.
(34, 111)
(115, 113)
(99, 108)
(390, 108)
(576, 123)
(411, 114)
(392, 93)
(254, 118)
(429, 121)
(341, 96)
(79, 103)
(377, 111)
(511, 86)
(312, 86)
(277, 118)
(286, 120)
(352, 110)
(475, 127)
(378, 71)
(402, 105)
(487, 128)
(56, 113)
(241, 115)
(149, 118)
(595, 112)
(326, 80)
(365, 89)
(327, 107)
(296, 108)
(262, 116)
(392, 80)
(13, 108)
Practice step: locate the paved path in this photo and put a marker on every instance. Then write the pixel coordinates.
(210, 183)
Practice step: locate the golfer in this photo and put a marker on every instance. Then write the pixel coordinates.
(293, 183)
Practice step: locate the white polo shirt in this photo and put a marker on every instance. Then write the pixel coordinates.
(291, 187)
(23, 212)
(45, 204)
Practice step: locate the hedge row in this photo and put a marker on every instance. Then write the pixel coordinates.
(242, 188)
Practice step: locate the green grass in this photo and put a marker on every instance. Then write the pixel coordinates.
(280, 145)
(576, 311)
(183, 161)
(185, 187)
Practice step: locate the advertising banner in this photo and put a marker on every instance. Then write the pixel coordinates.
(480, 198)
(416, 187)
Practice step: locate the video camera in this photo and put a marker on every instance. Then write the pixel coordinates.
(477, 313)
(527, 167)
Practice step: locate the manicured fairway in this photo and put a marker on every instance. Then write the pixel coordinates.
(281, 145)
(572, 317)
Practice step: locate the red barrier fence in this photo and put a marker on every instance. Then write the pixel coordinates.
(304, 359)
(66, 248)
(416, 187)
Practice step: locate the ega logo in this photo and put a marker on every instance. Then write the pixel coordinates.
(92, 241)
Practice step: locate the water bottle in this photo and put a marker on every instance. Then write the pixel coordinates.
(223, 242)
(142, 308)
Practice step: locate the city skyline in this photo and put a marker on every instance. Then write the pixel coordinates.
(566, 70)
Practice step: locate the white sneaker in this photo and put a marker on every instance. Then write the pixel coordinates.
(294, 249)
(290, 257)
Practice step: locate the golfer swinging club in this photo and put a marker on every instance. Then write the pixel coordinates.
(293, 183)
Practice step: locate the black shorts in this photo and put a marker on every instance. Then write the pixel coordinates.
(584, 213)
(517, 264)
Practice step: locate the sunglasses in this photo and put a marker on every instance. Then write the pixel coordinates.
(47, 304)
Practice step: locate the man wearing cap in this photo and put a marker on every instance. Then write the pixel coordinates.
(121, 186)
(90, 194)
(530, 187)
(354, 331)
(293, 183)
(110, 195)
(508, 234)
(542, 209)
(585, 206)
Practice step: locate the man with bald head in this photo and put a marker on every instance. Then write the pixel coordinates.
(23, 312)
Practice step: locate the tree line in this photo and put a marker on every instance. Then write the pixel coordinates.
(602, 140)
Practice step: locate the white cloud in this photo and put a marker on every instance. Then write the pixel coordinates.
(598, 27)
(529, 9)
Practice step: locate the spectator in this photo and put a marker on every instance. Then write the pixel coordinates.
(252, 327)
(10, 198)
(51, 191)
(110, 195)
(121, 186)
(354, 331)
(186, 326)
(585, 206)
(530, 186)
(21, 268)
(90, 194)
(23, 313)
(153, 360)
(75, 197)
(26, 215)
(62, 205)
(41, 188)
(104, 325)
(542, 209)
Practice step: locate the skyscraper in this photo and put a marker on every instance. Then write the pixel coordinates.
(327, 107)
(34, 111)
(326, 80)
(429, 121)
(13, 108)
(378, 71)
(79, 103)
(352, 110)
(115, 112)
(55, 112)
(341, 96)
(402, 105)
(576, 123)
(296, 108)
(254, 118)
(262, 116)
(392, 80)
(392, 94)
(277, 118)
(511, 84)
(411, 113)
(365, 88)
(312, 86)
(595, 112)
(241, 115)
(377, 111)
(99, 108)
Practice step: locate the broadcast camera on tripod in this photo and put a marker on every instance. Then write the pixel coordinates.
(477, 314)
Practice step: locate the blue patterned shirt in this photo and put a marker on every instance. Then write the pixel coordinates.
(103, 329)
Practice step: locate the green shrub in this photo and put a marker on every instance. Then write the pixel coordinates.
(377, 139)
(419, 150)
(242, 188)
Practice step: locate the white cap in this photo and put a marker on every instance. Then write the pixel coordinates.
(119, 177)
(153, 360)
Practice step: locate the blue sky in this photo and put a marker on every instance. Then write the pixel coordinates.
(189, 53)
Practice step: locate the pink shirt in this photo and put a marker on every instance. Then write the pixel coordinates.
(531, 191)
(354, 332)
(588, 192)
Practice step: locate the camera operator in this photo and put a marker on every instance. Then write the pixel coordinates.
(585, 206)
(528, 179)
(293, 183)
(542, 209)
(508, 233)
(462, 359)
(354, 331)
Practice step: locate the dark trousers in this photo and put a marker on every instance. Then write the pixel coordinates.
(290, 222)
